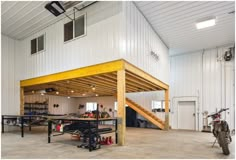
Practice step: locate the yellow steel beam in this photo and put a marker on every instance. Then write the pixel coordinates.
(76, 73)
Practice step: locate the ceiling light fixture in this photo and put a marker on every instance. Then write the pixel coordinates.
(33, 92)
(57, 92)
(42, 94)
(96, 95)
(68, 97)
(206, 22)
(93, 87)
(72, 91)
(55, 7)
(83, 94)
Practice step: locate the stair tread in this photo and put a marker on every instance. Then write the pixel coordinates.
(146, 113)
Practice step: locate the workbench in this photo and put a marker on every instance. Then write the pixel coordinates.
(90, 121)
(31, 119)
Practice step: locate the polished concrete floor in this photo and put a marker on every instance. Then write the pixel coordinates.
(140, 143)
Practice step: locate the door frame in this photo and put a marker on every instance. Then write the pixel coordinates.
(176, 101)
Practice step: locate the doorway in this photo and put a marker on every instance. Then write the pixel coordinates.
(131, 117)
(186, 115)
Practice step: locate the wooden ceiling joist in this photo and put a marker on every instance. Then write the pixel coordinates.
(102, 76)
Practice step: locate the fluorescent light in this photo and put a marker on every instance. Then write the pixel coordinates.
(58, 8)
(55, 7)
(206, 23)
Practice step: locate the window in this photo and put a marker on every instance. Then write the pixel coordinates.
(37, 44)
(156, 105)
(75, 28)
(68, 31)
(91, 106)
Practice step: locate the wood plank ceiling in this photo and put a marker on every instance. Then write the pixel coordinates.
(175, 22)
(97, 85)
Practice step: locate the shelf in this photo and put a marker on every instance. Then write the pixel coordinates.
(35, 104)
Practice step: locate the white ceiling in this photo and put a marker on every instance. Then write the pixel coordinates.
(175, 23)
(23, 18)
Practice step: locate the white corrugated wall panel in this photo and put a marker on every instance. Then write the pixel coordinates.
(185, 81)
(204, 76)
(101, 43)
(140, 41)
(8, 76)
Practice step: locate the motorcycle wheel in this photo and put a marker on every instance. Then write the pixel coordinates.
(224, 143)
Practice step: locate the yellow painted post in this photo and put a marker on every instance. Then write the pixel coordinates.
(167, 109)
(22, 101)
(121, 106)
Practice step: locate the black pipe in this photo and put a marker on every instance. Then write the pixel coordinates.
(2, 124)
(22, 126)
(49, 130)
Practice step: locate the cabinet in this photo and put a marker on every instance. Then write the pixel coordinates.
(35, 108)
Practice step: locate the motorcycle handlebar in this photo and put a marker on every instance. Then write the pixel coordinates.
(222, 110)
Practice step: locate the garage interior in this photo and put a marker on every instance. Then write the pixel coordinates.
(141, 77)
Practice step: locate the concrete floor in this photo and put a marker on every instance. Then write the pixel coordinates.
(140, 143)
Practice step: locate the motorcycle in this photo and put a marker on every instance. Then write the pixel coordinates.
(221, 131)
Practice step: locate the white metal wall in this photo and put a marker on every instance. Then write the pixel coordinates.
(140, 41)
(8, 83)
(203, 77)
(100, 44)
(65, 105)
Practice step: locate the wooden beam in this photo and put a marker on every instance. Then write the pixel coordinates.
(76, 73)
(167, 109)
(121, 106)
(144, 75)
(22, 101)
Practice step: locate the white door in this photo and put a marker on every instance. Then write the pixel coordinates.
(186, 115)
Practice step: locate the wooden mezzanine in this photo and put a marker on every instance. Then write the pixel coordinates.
(111, 78)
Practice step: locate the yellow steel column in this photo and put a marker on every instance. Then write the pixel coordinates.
(121, 106)
(167, 109)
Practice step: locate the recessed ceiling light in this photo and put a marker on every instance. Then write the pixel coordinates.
(206, 22)
(68, 97)
(96, 95)
(83, 94)
(33, 92)
(57, 92)
(72, 91)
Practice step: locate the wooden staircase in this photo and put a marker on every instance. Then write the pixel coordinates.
(146, 114)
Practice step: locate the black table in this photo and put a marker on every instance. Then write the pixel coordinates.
(87, 120)
(22, 118)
